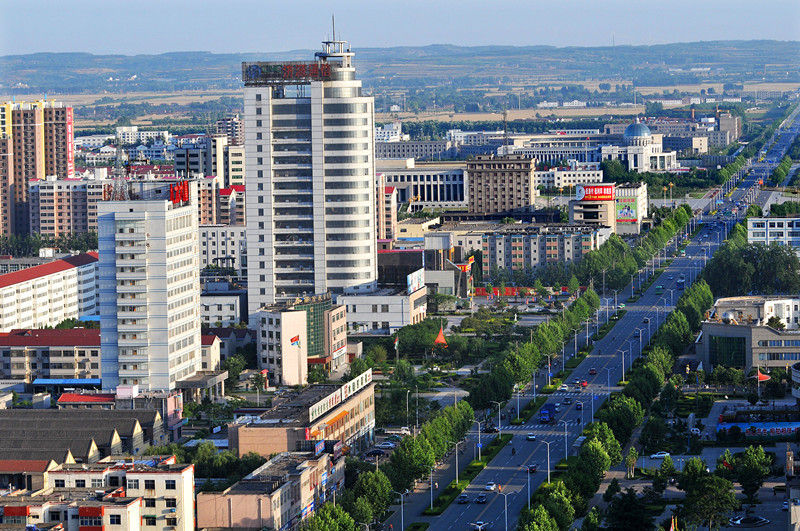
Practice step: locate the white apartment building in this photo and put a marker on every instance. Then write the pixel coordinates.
(767, 230)
(224, 246)
(387, 310)
(392, 132)
(568, 176)
(283, 344)
(150, 287)
(131, 135)
(46, 294)
(310, 179)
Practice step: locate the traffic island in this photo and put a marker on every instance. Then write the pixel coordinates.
(453, 490)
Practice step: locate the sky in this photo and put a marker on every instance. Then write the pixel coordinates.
(230, 26)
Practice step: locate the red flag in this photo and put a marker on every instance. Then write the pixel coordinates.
(727, 465)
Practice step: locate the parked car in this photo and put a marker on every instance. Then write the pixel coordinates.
(386, 445)
(394, 438)
(659, 455)
(491, 486)
(530, 437)
(376, 452)
(481, 498)
(463, 499)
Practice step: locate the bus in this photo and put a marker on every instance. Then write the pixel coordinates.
(659, 289)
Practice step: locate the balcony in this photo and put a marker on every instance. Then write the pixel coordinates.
(137, 249)
(140, 236)
(132, 327)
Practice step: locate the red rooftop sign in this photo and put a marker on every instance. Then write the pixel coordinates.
(179, 192)
(261, 73)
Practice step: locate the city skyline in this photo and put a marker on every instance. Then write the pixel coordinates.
(94, 27)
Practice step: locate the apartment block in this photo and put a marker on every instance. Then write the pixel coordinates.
(224, 246)
(232, 128)
(416, 149)
(501, 184)
(780, 230)
(29, 354)
(47, 294)
(521, 247)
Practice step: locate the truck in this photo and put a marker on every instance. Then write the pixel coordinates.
(547, 413)
(659, 289)
(398, 431)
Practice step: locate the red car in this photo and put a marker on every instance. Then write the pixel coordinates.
(584, 383)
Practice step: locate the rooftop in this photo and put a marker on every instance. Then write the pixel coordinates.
(89, 337)
(80, 398)
(57, 266)
(273, 474)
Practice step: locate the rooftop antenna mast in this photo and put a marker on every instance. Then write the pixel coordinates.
(119, 188)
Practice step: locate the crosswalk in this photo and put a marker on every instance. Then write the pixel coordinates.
(536, 425)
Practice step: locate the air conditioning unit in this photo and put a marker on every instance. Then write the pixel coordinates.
(173, 510)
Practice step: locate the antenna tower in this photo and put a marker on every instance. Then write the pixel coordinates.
(119, 188)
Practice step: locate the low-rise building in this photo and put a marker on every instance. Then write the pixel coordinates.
(781, 230)
(416, 149)
(47, 294)
(594, 205)
(631, 207)
(278, 495)
(223, 304)
(415, 227)
(387, 310)
(736, 334)
(224, 246)
(317, 413)
(27, 354)
(426, 184)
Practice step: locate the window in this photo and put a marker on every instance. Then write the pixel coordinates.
(113, 481)
(114, 519)
(55, 516)
(97, 483)
(171, 502)
(93, 521)
(150, 520)
(149, 484)
(172, 522)
(133, 484)
(60, 484)
(149, 502)
(80, 483)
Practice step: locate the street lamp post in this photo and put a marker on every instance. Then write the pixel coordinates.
(623, 363)
(616, 302)
(671, 297)
(416, 427)
(408, 391)
(431, 488)
(548, 369)
(499, 432)
(505, 498)
(456, 447)
(548, 443)
(630, 350)
(519, 391)
(402, 510)
(478, 422)
(528, 470)
(566, 450)
(608, 379)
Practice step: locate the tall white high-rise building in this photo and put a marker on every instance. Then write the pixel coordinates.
(309, 151)
(149, 286)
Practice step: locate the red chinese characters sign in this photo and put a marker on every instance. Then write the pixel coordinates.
(600, 192)
(179, 192)
(282, 73)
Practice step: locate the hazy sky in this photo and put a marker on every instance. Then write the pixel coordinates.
(147, 26)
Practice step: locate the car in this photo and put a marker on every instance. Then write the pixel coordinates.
(568, 401)
(578, 388)
(481, 498)
(578, 406)
(386, 445)
(491, 486)
(592, 371)
(584, 383)
(785, 506)
(637, 333)
(670, 277)
(376, 452)
(463, 499)
(563, 387)
(531, 468)
(646, 320)
(557, 405)
(491, 429)
(748, 521)
(659, 455)
(621, 306)
(394, 438)
(576, 380)
(530, 437)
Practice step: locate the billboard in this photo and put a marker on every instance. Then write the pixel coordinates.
(594, 192)
(762, 429)
(627, 210)
(415, 281)
(261, 73)
(70, 145)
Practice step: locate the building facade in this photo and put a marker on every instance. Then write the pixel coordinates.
(594, 205)
(630, 207)
(223, 246)
(427, 184)
(149, 280)
(29, 354)
(501, 184)
(780, 230)
(310, 178)
(47, 294)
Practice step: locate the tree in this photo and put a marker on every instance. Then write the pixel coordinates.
(628, 512)
(258, 381)
(591, 522)
(751, 470)
(630, 462)
(775, 323)
(376, 489)
(234, 365)
(316, 374)
(612, 490)
(710, 502)
(538, 520)
(330, 518)
(592, 463)
(559, 506)
(694, 471)
(378, 353)
(362, 510)
(357, 366)
(601, 432)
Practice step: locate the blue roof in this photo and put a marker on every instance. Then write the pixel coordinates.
(67, 381)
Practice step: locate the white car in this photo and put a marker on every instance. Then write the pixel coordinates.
(659, 455)
(563, 387)
(491, 486)
(531, 437)
(386, 445)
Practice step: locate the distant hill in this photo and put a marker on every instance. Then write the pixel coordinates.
(410, 67)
